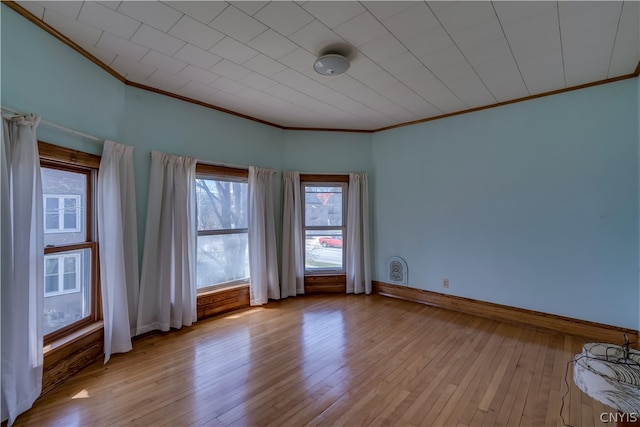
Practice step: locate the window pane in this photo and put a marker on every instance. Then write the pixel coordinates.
(65, 195)
(323, 250)
(323, 206)
(70, 217)
(222, 258)
(51, 213)
(71, 302)
(222, 205)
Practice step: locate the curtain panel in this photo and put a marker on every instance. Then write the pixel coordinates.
(263, 263)
(292, 238)
(168, 283)
(22, 265)
(358, 259)
(117, 232)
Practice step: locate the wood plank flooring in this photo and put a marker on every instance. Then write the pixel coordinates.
(329, 360)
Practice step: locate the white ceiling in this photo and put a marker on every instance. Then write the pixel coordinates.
(410, 60)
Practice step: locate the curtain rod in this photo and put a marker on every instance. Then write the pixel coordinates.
(60, 127)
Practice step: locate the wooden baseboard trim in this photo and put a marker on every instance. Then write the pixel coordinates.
(565, 325)
(222, 301)
(325, 284)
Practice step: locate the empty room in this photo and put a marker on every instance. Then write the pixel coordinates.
(335, 213)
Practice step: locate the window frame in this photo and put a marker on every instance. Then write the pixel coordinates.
(230, 174)
(65, 159)
(322, 180)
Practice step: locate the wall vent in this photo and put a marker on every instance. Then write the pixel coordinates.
(397, 271)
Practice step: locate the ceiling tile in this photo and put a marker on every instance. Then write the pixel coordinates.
(110, 4)
(412, 21)
(237, 24)
(227, 85)
(166, 81)
(196, 90)
(264, 65)
(361, 29)
(579, 17)
(479, 34)
(626, 52)
(198, 74)
(509, 11)
(385, 9)
(34, 8)
(502, 78)
(132, 70)
(488, 52)
(382, 48)
(428, 42)
(122, 47)
(472, 92)
(316, 37)
(154, 13)
(105, 55)
(196, 56)
(257, 81)
(230, 70)
(406, 98)
(72, 28)
(157, 40)
(232, 50)
(272, 44)
(300, 60)
(464, 14)
(196, 33)
(533, 26)
(334, 13)
(284, 17)
(550, 42)
(290, 78)
(249, 7)
(70, 9)
(543, 73)
(163, 62)
(400, 63)
(203, 11)
(108, 19)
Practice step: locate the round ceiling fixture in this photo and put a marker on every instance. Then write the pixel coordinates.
(331, 64)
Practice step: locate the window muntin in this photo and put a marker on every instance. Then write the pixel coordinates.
(324, 213)
(70, 254)
(222, 243)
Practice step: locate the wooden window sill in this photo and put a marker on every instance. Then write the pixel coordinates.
(73, 337)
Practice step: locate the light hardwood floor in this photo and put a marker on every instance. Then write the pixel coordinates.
(330, 360)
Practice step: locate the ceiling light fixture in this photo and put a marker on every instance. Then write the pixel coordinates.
(331, 64)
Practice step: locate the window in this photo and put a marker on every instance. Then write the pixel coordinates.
(61, 274)
(324, 217)
(70, 254)
(223, 241)
(61, 213)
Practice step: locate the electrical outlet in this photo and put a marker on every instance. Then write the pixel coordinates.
(445, 283)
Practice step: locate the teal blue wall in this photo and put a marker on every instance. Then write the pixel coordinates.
(42, 75)
(532, 205)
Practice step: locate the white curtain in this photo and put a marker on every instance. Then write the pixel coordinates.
(168, 283)
(358, 262)
(117, 237)
(22, 265)
(263, 263)
(292, 238)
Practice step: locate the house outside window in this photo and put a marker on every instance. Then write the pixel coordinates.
(62, 213)
(324, 219)
(223, 233)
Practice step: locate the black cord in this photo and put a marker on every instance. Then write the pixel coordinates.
(624, 361)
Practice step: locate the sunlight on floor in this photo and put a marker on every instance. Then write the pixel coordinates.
(84, 394)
